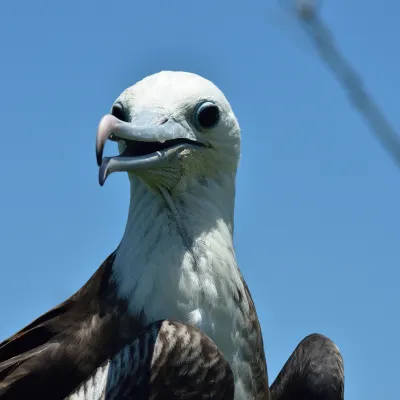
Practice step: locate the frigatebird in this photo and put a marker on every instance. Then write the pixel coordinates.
(179, 143)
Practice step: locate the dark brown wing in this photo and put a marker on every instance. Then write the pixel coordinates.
(314, 371)
(52, 355)
(169, 361)
(30, 341)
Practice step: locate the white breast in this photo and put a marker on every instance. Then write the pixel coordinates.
(196, 285)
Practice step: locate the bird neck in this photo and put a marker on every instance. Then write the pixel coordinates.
(177, 250)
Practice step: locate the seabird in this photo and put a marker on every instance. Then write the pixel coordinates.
(179, 142)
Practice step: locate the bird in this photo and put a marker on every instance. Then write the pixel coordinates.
(175, 269)
(179, 142)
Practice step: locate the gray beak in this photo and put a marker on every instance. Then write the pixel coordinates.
(149, 143)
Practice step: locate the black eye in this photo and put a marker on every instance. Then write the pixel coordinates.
(119, 111)
(206, 115)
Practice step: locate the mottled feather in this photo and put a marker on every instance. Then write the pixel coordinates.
(168, 361)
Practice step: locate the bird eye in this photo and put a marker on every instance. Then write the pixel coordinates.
(119, 111)
(206, 115)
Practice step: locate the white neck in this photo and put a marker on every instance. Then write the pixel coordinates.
(177, 247)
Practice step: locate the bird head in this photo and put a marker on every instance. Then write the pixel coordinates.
(170, 126)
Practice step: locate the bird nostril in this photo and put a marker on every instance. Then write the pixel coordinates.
(114, 138)
(163, 120)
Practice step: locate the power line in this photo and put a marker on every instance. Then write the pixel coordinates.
(351, 81)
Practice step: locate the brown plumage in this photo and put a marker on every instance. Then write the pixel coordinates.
(56, 352)
(168, 361)
(314, 371)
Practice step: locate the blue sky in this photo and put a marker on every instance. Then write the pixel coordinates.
(317, 212)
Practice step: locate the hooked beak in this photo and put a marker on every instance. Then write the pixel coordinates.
(148, 143)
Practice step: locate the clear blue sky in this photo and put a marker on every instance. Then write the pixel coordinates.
(317, 214)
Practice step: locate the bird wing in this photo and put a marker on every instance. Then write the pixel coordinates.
(57, 344)
(169, 360)
(29, 341)
(313, 371)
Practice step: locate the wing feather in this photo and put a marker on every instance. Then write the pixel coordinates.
(168, 361)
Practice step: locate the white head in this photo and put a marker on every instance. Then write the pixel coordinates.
(171, 127)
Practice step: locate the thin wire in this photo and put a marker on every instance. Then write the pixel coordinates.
(350, 80)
